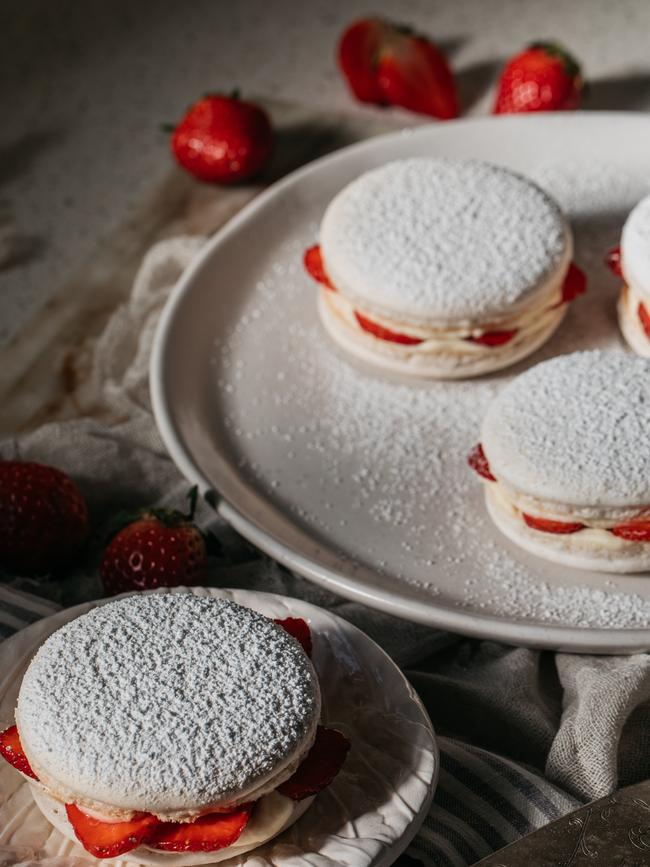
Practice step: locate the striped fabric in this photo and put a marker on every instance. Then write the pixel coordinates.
(482, 803)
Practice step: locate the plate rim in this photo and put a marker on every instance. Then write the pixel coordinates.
(432, 613)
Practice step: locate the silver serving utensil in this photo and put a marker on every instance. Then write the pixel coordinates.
(611, 832)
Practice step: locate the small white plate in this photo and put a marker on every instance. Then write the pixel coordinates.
(367, 816)
(360, 482)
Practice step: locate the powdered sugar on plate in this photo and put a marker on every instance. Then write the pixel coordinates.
(374, 469)
(441, 239)
(167, 702)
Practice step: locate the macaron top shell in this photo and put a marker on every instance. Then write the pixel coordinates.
(575, 430)
(635, 247)
(440, 240)
(167, 702)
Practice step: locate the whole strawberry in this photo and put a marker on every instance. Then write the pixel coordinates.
(154, 548)
(223, 139)
(544, 77)
(389, 64)
(43, 518)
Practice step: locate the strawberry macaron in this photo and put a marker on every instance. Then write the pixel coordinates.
(443, 268)
(632, 262)
(173, 729)
(565, 459)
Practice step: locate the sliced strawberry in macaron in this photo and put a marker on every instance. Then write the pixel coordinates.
(547, 526)
(110, 839)
(313, 262)
(614, 261)
(11, 749)
(644, 316)
(634, 531)
(385, 333)
(494, 338)
(298, 629)
(206, 834)
(575, 283)
(323, 762)
(479, 463)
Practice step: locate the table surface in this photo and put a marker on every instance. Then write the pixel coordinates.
(86, 87)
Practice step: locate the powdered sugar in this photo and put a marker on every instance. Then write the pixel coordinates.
(373, 467)
(439, 239)
(575, 430)
(162, 702)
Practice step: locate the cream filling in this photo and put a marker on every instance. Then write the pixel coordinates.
(457, 341)
(110, 813)
(597, 528)
(271, 815)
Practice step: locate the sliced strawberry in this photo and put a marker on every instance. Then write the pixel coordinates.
(323, 762)
(479, 463)
(12, 750)
(313, 261)
(575, 283)
(413, 73)
(384, 333)
(634, 531)
(357, 56)
(493, 338)
(390, 64)
(109, 839)
(299, 629)
(205, 834)
(546, 526)
(644, 316)
(614, 262)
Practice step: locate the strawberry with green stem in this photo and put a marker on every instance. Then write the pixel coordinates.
(543, 77)
(155, 548)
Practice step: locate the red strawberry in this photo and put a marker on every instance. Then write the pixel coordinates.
(206, 834)
(493, 338)
(389, 64)
(575, 283)
(544, 77)
(323, 762)
(479, 463)
(43, 518)
(546, 526)
(154, 548)
(109, 839)
(384, 333)
(11, 749)
(614, 262)
(635, 531)
(358, 55)
(314, 266)
(300, 630)
(644, 316)
(223, 139)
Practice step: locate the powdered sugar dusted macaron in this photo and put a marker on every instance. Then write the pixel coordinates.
(443, 268)
(174, 728)
(565, 456)
(632, 262)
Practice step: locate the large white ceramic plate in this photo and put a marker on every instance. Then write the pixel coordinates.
(365, 818)
(358, 482)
